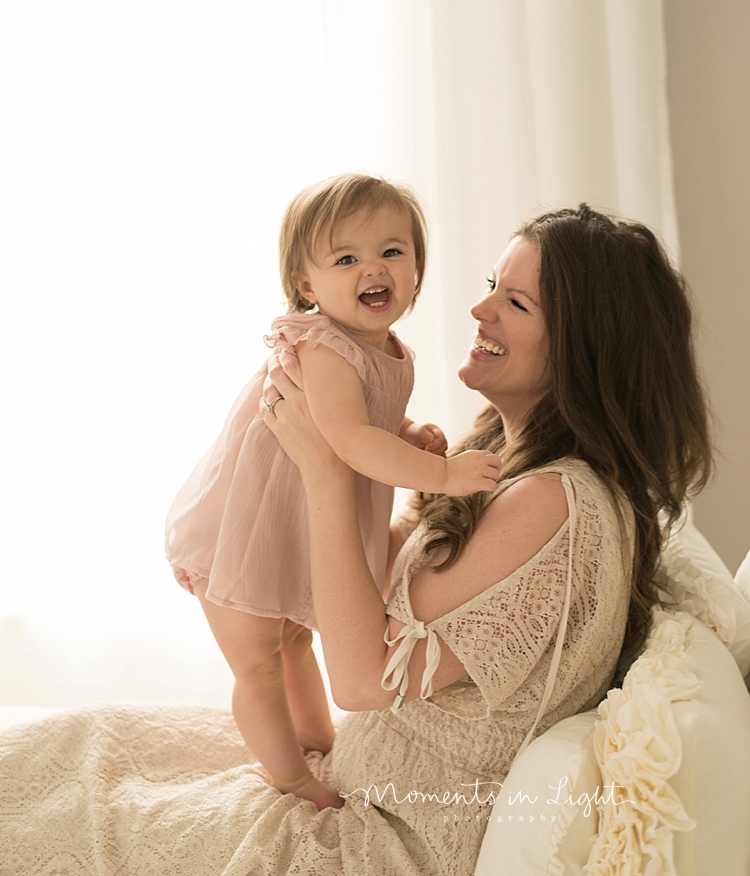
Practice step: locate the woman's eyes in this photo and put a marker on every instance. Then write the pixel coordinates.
(513, 301)
(516, 303)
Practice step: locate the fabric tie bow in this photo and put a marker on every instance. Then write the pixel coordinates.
(397, 671)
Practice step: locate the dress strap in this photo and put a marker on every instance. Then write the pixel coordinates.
(562, 629)
(398, 665)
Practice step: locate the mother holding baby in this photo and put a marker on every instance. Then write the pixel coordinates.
(507, 611)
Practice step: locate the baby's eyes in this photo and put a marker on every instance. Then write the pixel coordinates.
(350, 259)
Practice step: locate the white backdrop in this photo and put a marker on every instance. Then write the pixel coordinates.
(148, 152)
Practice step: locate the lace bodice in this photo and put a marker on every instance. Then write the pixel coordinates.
(504, 635)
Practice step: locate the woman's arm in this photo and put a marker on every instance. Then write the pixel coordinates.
(351, 614)
(349, 608)
(337, 405)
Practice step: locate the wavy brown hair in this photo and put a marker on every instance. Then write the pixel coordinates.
(625, 394)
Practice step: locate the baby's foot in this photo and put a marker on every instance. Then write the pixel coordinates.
(321, 794)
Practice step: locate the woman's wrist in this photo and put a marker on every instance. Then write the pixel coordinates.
(324, 473)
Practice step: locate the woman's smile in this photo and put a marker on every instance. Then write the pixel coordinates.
(487, 345)
(507, 360)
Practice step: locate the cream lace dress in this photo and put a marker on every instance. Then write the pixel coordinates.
(135, 790)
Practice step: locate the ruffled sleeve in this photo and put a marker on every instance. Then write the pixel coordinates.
(314, 329)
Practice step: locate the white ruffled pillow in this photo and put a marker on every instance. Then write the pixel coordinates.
(742, 580)
(676, 738)
(693, 576)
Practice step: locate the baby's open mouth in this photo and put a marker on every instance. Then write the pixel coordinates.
(375, 298)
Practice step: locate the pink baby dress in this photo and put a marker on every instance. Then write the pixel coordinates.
(240, 519)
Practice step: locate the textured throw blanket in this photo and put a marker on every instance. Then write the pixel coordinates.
(133, 790)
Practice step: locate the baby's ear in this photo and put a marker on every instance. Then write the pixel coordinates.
(302, 285)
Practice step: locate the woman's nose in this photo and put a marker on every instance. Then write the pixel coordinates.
(482, 311)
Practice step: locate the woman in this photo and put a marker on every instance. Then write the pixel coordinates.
(508, 610)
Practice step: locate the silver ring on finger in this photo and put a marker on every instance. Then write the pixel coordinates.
(269, 405)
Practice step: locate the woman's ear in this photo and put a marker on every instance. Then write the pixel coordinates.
(302, 285)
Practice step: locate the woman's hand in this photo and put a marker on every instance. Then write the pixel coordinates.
(290, 421)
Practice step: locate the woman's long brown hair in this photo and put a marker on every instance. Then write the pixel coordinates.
(625, 396)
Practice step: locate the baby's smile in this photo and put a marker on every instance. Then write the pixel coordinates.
(377, 298)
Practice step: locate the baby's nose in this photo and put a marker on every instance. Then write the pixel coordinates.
(373, 267)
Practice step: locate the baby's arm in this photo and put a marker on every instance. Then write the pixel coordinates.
(337, 404)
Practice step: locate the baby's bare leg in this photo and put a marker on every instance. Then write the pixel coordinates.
(252, 647)
(304, 689)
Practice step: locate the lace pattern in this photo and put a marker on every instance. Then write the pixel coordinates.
(136, 790)
(505, 635)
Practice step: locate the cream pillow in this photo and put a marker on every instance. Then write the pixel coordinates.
(693, 575)
(713, 780)
(742, 577)
(742, 583)
(676, 739)
(541, 823)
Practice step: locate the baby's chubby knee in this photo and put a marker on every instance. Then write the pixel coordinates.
(295, 638)
(250, 643)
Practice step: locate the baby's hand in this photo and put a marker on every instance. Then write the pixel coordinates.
(425, 436)
(471, 472)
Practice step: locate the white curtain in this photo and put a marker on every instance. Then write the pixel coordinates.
(150, 149)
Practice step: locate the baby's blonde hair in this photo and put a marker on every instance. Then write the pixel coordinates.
(320, 207)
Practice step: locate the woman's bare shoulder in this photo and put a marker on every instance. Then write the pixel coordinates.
(515, 527)
(535, 492)
(518, 523)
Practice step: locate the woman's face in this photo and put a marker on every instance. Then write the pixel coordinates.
(507, 362)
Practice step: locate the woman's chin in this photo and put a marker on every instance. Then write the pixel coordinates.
(467, 374)
(463, 368)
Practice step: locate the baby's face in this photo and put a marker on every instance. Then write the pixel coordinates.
(364, 273)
